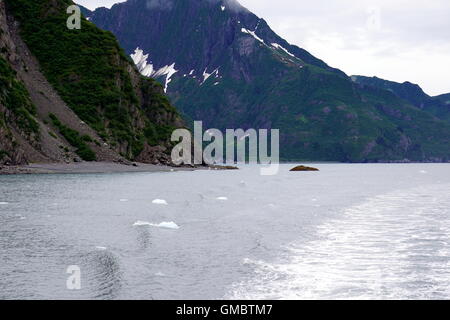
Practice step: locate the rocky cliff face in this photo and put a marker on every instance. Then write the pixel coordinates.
(223, 65)
(72, 95)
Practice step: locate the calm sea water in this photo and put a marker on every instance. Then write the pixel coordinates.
(349, 231)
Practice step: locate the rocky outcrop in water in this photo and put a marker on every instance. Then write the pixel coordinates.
(304, 168)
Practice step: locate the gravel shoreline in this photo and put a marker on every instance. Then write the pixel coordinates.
(86, 167)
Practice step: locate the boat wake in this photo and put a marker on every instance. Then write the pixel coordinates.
(393, 246)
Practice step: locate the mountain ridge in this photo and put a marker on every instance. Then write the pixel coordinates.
(439, 105)
(233, 71)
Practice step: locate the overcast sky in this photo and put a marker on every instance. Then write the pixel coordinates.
(399, 40)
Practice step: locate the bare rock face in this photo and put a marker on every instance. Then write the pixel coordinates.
(157, 155)
(304, 168)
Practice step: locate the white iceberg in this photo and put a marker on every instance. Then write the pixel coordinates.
(160, 202)
(164, 224)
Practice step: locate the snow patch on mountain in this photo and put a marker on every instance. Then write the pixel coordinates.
(206, 75)
(277, 46)
(253, 34)
(147, 69)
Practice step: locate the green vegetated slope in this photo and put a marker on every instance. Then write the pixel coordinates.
(438, 106)
(19, 109)
(264, 82)
(321, 115)
(95, 78)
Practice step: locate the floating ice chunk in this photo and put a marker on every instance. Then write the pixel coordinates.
(100, 248)
(191, 72)
(222, 8)
(160, 201)
(4, 203)
(271, 205)
(165, 225)
(123, 200)
(216, 83)
(141, 223)
(423, 171)
(222, 198)
(253, 34)
(160, 274)
(22, 218)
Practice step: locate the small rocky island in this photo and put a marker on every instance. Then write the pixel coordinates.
(304, 168)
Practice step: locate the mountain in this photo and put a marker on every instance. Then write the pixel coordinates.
(222, 64)
(445, 98)
(72, 95)
(438, 106)
(409, 91)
